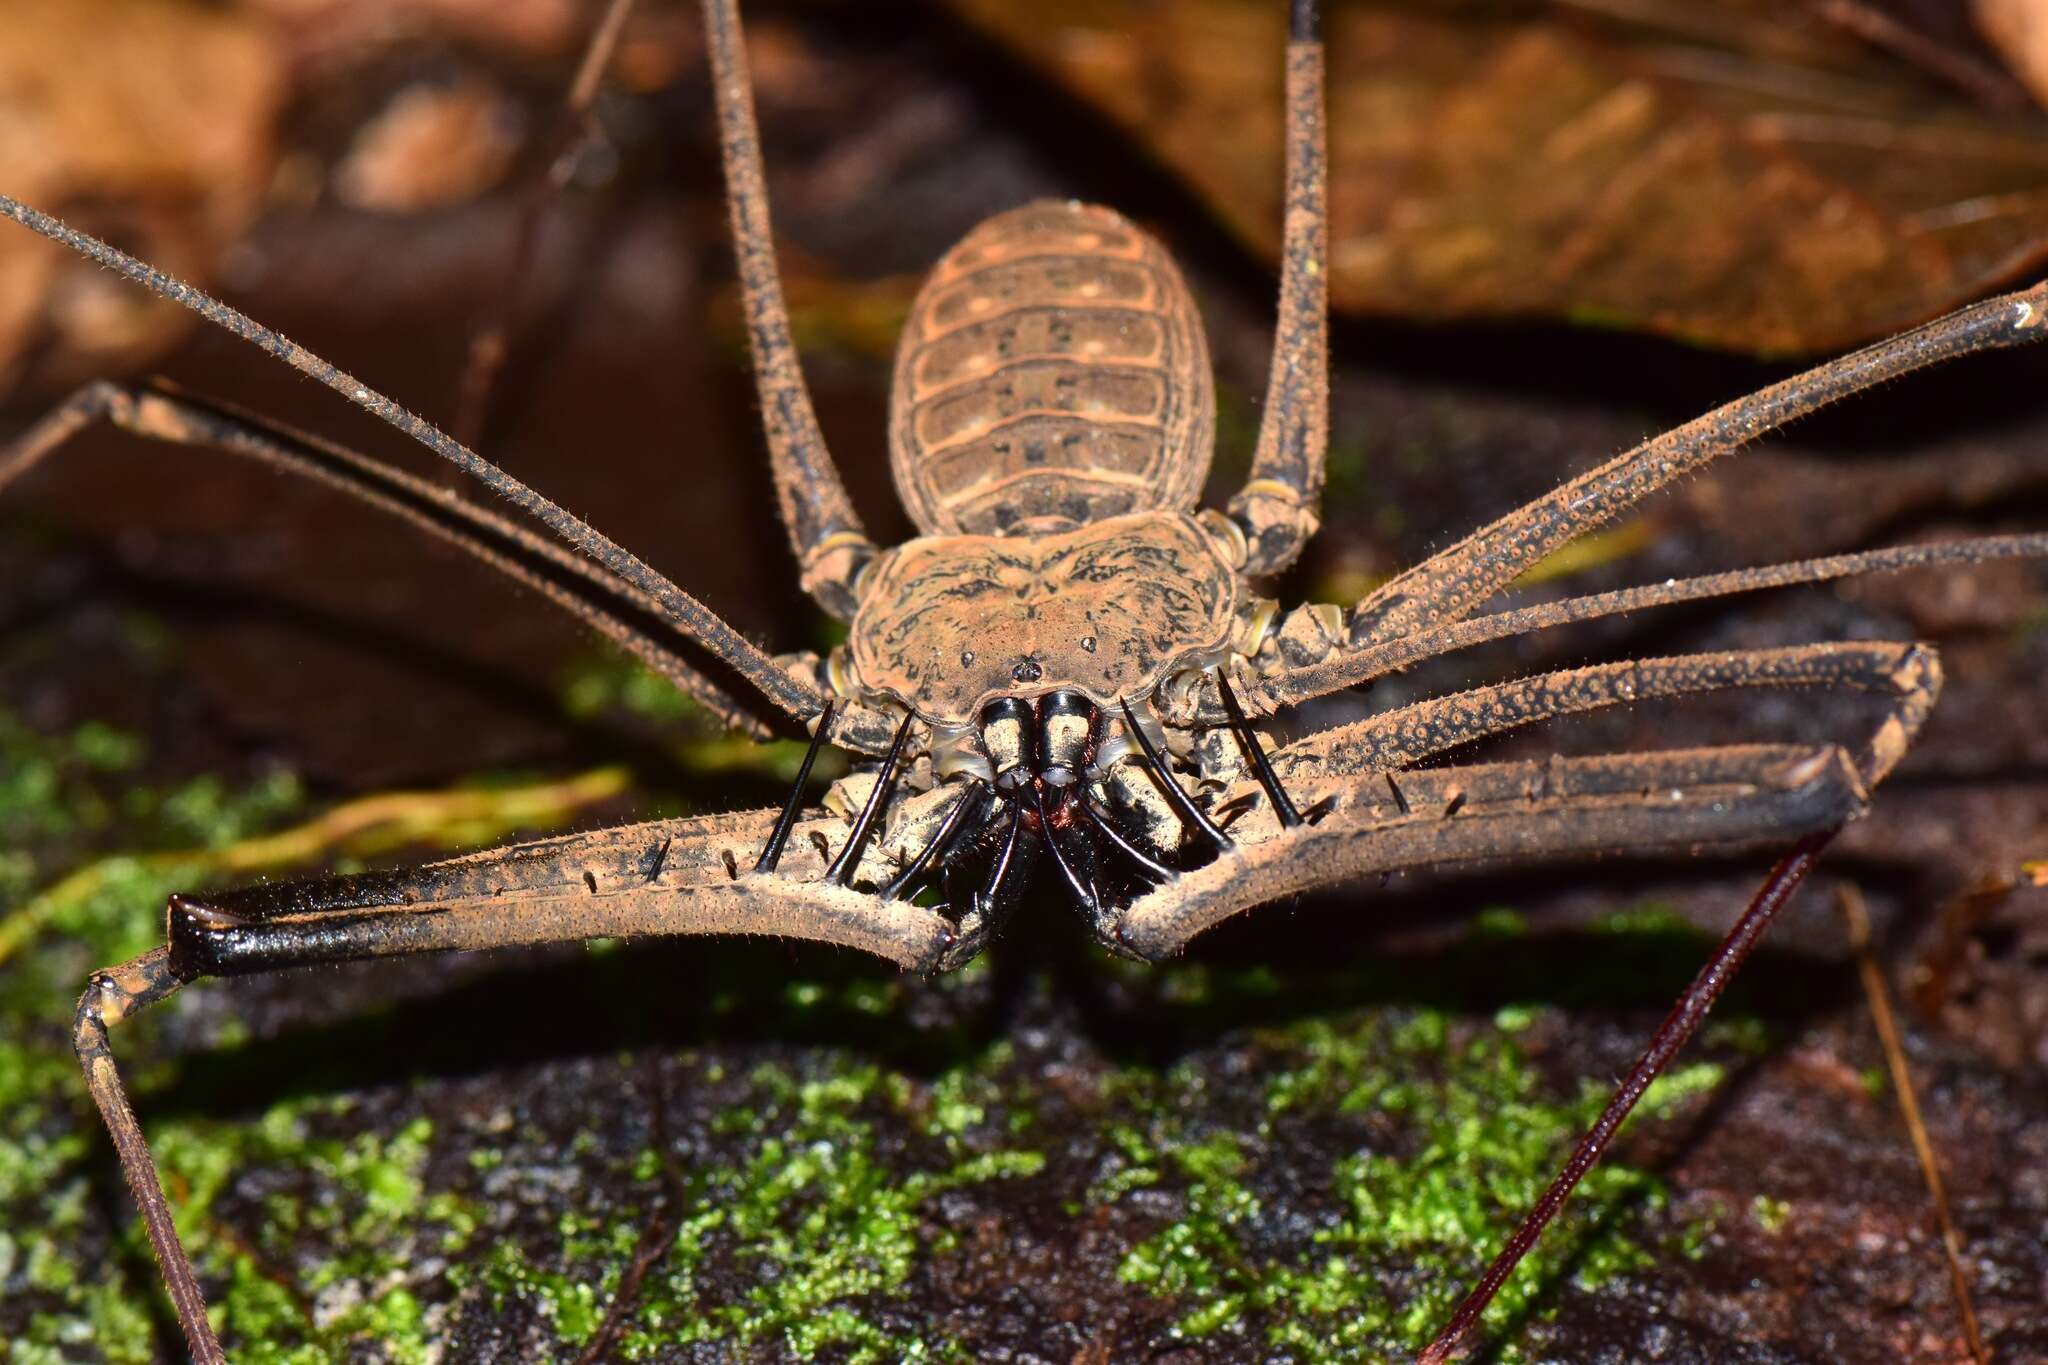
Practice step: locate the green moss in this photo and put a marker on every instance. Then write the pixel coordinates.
(1770, 1214)
(63, 798)
(1499, 923)
(801, 1226)
(1479, 1140)
(611, 684)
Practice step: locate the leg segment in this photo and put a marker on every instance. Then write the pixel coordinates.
(1345, 667)
(113, 994)
(1908, 674)
(1505, 812)
(1677, 1028)
(830, 545)
(1448, 585)
(578, 585)
(1278, 505)
(685, 613)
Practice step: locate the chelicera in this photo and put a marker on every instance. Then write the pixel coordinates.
(1064, 667)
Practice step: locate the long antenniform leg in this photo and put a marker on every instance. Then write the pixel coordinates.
(579, 585)
(1350, 669)
(1449, 585)
(684, 613)
(1278, 505)
(830, 545)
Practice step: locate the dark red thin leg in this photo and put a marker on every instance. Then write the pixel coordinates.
(1685, 1017)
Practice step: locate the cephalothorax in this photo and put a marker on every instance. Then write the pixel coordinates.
(1063, 668)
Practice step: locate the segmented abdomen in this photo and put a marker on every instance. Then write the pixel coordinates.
(1052, 366)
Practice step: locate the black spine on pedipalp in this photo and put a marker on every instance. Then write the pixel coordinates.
(969, 810)
(841, 871)
(785, 822)
(1150, 865)
(1248, 744)
(1191, 815)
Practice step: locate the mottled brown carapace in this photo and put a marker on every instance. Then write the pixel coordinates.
(1107, 609)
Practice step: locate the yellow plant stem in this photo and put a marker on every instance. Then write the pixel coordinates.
(367, 825)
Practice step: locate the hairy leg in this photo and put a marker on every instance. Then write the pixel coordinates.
(831, 546)
(1450, 584)
(1277, 507)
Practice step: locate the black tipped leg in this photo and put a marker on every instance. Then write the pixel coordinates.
(1304, 24)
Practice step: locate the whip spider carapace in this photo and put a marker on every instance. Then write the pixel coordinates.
(1058, 678)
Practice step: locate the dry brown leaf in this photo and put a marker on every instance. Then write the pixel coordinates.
(327, 33)
(2019, 30)
(1739, 174)
(432, 146)
(158, 115)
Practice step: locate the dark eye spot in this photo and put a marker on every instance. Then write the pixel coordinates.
(1027, 671)
(1088, 643)
(966, 657)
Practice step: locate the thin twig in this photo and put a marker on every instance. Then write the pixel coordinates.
(1987, 84)
(655, 1239)
(570, 135)
(1858, 920)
